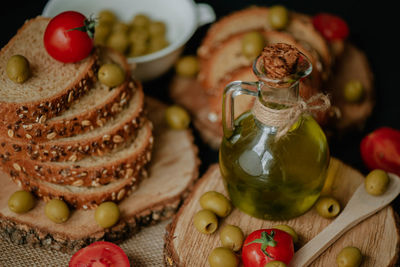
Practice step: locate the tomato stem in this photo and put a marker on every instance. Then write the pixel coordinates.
(88, 27)
(266, 240)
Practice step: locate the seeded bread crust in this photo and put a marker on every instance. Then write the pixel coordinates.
(76, 149)
(44, 129)
(77, 175)
(227, 57)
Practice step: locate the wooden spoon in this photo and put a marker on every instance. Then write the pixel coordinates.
(360, 206)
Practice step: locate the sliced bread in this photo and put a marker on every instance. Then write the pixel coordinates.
(90, 111)
(124, 161)
(169, 146)
(256, 18)
(228, 57)
(114, 132)
(52, 87)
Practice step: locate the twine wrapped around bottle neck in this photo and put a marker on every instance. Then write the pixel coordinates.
(283, 119)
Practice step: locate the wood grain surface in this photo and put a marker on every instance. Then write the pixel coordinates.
(377, 237)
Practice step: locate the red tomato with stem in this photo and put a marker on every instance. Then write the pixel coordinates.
(330, 26)
(265, 245)
(101, 253)
(381, 150)
(69, 37)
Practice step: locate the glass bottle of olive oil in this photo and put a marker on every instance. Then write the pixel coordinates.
(269, 177)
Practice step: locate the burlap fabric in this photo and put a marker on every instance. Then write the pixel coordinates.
(143, 249)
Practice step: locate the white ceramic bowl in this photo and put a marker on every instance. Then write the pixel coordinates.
(182, 18)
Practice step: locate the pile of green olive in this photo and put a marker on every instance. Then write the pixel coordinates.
(139, 37)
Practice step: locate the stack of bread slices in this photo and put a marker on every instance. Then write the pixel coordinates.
(64, 134)
(222, 61)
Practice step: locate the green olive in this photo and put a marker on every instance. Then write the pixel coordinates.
(275, 264)
(327, 207)
(21, 201)
(138, 35)
(111, 74)
(107, 16)
(57, 211)
(120, 27)
(107, 214)
(376, 182)
(278, 17)
(118, 41)
(231, 237)
(216, 202)
(157, 43)
(137, 49)
(157, 28)
(222, 257)
(288, 230)
(177, 117)
(101, 33)
(18, 69)
(349, 257)
(353, 91)
(140, 21)
(187, 66)
(252, 44)
(205, 221)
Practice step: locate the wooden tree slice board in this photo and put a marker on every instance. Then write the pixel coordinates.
(353, 65)
(172, 172)
(377, 237)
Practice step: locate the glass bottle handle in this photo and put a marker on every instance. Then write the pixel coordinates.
(231, 91)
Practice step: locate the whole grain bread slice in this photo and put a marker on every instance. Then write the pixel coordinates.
(123, 162)
(53, 85)
(256, 18)
(167, 161)
(85, 114)
(228, 57)
(100, 140)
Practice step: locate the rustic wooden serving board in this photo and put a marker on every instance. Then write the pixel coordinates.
(172, 172)
(377, 237)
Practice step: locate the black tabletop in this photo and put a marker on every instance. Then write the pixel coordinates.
(372, 29)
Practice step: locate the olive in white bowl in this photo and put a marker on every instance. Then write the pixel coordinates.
(181, 18)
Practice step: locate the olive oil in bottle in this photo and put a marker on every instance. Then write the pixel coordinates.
(270, 179)
(274, 158)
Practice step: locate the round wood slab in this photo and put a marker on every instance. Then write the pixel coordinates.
(377, 237)
(172, 172)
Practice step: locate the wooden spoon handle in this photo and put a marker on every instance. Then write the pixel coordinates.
(310, 251)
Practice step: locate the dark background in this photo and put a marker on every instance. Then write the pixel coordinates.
(373, 29)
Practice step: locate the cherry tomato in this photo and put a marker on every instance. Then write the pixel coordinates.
(100, 253)
(69, 37)
(330, 26)
(265, 245)
(381, 150)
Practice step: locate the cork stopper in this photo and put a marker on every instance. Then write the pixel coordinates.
(280, 60)
(281, 64)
